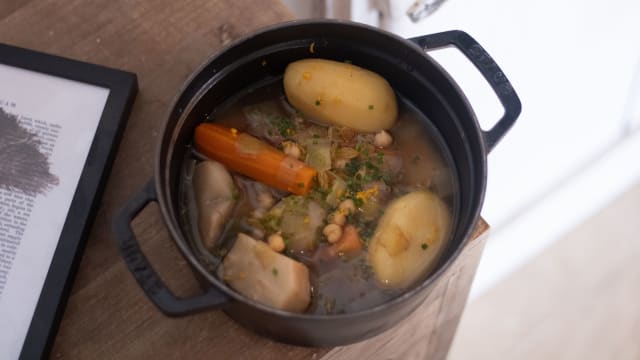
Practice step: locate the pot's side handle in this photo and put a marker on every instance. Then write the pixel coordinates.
(142, 271)
(489, 70)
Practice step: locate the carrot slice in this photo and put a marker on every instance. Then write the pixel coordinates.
(349, 243)
(251, 157)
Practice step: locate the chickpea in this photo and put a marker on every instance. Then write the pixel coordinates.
(265, 199)
(347, 207)
(382, 139)
(291, 149)
(276, 242)
(338, 218)
(332, 232)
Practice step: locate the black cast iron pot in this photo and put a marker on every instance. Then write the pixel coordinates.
(263, 56)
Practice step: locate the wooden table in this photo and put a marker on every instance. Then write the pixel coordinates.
(107, 315)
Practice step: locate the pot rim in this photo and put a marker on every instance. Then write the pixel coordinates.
(174, 228)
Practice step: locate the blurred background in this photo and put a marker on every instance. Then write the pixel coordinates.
(560, 275)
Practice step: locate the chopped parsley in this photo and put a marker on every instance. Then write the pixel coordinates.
(424, 246)
(352, 167)
(274, 271)
(284, 125)
(379, 156)
(370, 107)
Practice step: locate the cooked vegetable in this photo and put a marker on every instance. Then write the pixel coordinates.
(214, 193)
(299, 220)
(276, 242)
(332, 194)
(338, 189)
(251, 157)
(319, 154)
(267, 121)
(265, 199)
(332, 232)
(382, 139)
(291, 149)
(261, 274)
(408, 238)
(341, 94)
(349, 244)
(337, 218)
(347, 207)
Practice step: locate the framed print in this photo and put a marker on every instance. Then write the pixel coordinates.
(60, 123)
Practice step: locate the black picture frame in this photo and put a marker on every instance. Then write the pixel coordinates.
(123, 87)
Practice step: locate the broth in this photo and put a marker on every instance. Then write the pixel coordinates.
(415, 160)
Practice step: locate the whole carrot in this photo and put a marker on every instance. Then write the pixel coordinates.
(251, 157)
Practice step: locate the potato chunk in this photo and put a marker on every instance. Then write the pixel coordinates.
(409, 237)
(253, 269)
(341, 94)
(213, 189)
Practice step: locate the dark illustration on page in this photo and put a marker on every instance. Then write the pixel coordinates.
(23, 166)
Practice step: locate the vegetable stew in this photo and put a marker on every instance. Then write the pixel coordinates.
(300, 211)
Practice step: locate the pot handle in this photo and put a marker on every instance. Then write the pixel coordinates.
(142, 271)
(489, 70)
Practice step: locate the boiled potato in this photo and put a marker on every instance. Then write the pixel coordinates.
(253, 269)
(341, 94)
(409, 238)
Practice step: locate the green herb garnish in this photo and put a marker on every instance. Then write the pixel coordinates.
(370, 107)
(274, 271)
(359, 202)
(317, 102)
(284, 125)
(379, 156)
(352, 167)
(424, 246)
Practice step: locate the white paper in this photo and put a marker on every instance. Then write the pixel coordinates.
(64, 114)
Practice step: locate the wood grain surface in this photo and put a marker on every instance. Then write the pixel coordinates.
(108, 315)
